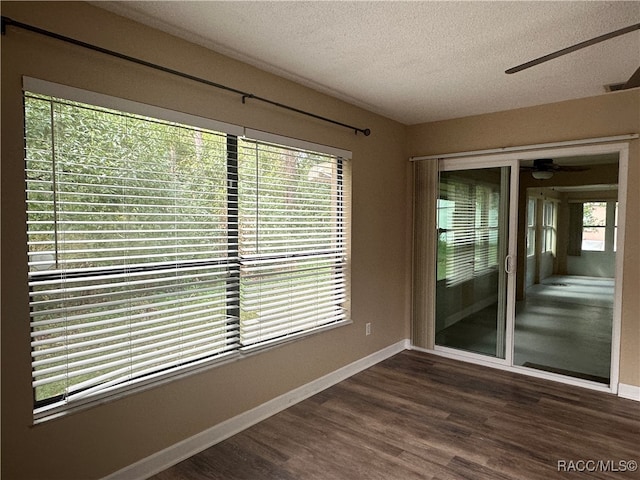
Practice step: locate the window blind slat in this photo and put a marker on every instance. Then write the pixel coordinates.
(128, 354)
(125, 340)
(112, 299)
(279, 330)
(90, 321)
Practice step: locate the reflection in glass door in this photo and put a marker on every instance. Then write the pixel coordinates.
(564, 316)
(473, 232)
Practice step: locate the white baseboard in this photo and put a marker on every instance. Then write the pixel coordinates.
(631, 392)
(180, 451)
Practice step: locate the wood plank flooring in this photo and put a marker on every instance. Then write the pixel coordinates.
(419, 416)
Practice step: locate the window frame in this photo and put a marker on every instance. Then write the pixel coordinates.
(609, 227)
(549, 219)
(531, 226)
(49, 409)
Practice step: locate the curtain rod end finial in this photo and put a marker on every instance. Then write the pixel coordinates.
(3, 26)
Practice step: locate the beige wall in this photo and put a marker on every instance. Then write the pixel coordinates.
(606, 115)
(103, 439)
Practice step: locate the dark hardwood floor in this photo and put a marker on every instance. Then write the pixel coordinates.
(418, 416)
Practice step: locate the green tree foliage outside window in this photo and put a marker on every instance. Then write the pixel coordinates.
(148, 241)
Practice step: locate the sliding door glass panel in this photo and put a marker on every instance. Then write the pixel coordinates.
(564, 322)
(471, 284)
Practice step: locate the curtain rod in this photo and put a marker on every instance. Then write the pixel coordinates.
(6, 21)
(525, 148)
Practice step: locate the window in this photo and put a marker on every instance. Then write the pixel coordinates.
(486, 223)
(155, 246)
(594, 224)
(548, 226)
(600, 226)
(468, 229)
(531, 227)
(445, 211)
(292, 242)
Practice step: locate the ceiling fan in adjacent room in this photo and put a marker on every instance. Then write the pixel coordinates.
(634, 80)
(544, 168)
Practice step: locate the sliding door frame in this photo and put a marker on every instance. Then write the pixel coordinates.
(513, 158)
(508, 263)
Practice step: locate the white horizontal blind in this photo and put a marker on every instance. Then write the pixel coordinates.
(130, 269)
(487, 204)
(468, 225)
(292, 241)
(154, 246)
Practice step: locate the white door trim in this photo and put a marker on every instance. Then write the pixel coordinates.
(490, 159)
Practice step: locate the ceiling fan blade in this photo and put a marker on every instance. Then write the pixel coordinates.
(634, 81)
(571, 168)
(573, 48)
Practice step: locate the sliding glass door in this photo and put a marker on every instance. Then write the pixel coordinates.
(527, 271)
(474, 257)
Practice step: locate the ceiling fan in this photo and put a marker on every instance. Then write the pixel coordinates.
(634, 80)
(544, 168)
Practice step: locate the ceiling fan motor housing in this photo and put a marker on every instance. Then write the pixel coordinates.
(543, 164)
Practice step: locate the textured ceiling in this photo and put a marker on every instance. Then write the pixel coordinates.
(414, 61)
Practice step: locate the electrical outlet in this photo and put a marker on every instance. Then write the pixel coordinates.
(367, 329)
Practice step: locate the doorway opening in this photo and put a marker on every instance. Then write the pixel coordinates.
(566, 283)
